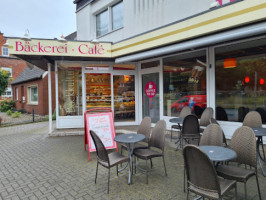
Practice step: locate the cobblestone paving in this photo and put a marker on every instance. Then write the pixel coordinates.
(36, 166)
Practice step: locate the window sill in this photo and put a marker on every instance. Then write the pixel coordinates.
(33, 104)
(98, 37)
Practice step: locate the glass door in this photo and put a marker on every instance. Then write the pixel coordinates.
(151, 96)
(98, 90)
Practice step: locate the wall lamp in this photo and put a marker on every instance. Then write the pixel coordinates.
(26, 36)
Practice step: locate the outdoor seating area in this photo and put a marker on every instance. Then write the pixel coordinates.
(35, 165)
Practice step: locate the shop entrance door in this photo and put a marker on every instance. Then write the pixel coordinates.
(151, 96)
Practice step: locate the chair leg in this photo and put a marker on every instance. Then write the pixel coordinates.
(135, 164)
(96, 172)
(108, 180)
(164, 167)
(258, 185)
(184, 179)
(187, 194)
(121, 151)
(236, 193)
(117, 170)
(146, 171)
(171, 134)
(245, 187)
(151, 163)
(262, 148)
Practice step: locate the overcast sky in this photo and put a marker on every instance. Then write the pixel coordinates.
(44, 18)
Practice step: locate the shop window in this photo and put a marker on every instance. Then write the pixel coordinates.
(184, 83)
(102, 23)
(69, 89)
(124, 97)
(98, 91)
(117, 16)
(5, 51)
(110, 19)
(32, 94)
(240, 74)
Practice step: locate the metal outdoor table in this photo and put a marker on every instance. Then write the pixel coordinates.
(178, 120)
(218, 154)
(130, 140)
(260, 132)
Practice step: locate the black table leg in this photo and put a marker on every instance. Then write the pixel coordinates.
(261, 160)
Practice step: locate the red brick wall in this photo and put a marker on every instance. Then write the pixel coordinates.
(16, 64)
(2, 42)
(43, 107)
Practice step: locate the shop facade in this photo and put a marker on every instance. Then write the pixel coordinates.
(215, 59)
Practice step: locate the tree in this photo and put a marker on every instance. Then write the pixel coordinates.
(4, 80)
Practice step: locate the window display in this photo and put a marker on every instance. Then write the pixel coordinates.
(124, 97)
(69, 91)
(184, 84)
(240, 74)
(98, 91)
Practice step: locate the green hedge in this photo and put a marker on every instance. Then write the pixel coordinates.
(7, 105)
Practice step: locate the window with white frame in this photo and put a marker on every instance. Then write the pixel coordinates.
(117, 16)
(110, 19)
(32, 94)
(102, 23)
(7, 93)
(7, 69)
(4, 51)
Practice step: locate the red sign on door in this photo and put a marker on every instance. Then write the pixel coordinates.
(150, 89)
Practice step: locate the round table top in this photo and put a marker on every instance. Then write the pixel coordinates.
(178, 120)
(259, 132)
(129, 138)
(218, 153)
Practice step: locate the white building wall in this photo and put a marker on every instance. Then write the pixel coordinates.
(139, 16)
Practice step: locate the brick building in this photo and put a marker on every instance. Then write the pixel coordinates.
(30, 91)
(8, 63)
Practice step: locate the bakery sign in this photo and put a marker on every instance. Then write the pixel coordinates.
(58, 48)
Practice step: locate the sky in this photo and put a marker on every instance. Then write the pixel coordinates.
(47, 19)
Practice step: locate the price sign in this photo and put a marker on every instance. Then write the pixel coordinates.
(103, 125)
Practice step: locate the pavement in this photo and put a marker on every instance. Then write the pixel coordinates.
(34, 165)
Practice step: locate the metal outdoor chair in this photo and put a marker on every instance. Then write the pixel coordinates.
(156, 146)
(145, 129)
(184, 112)
(205, 118)
(190, 129)
(253, 120)
(202, 178)
(243, 142)
(105, 159)
(212, 135)
(213, 121)
(221, 114)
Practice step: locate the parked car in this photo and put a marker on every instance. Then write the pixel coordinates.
(196, 102)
